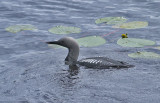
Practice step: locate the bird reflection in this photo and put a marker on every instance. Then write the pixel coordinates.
(70, 78)
(73, 70)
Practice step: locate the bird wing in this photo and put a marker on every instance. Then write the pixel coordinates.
(103, 63)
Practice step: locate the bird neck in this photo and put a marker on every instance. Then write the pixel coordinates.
(72, 56)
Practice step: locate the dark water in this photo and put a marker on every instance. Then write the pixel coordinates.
(31, 72)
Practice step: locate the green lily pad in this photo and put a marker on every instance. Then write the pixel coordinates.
(64, 30)
(20, 27)
(91, 41)
(149, 55)
(133, 42)
(157, 47)
(132, 25)
(111, 20)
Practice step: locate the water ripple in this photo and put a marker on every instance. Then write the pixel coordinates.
(33, 72)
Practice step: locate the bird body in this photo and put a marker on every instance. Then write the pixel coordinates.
(92, 62)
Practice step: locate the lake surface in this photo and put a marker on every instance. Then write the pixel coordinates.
(31, 72)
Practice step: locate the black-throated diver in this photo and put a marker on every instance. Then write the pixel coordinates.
(92, 62)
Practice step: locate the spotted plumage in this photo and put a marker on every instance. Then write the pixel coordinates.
(102, 62)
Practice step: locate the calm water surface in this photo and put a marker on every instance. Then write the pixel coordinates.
(31, 72)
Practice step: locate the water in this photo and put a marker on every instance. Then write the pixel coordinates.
(31, 72)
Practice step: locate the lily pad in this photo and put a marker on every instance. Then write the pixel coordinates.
(20, 27)
(64, 30)
(132, 25)
(91, 41)
(157, 47)
(144, 55)
(111, 20)
(133, 42)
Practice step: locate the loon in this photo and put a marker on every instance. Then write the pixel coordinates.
(92, 62)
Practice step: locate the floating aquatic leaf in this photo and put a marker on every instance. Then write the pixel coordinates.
(20, 27)
(144, 55)
(157, 47)
(133, 42)
(91, 41)
(64, 30)
(111, 20)
(132, 25)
